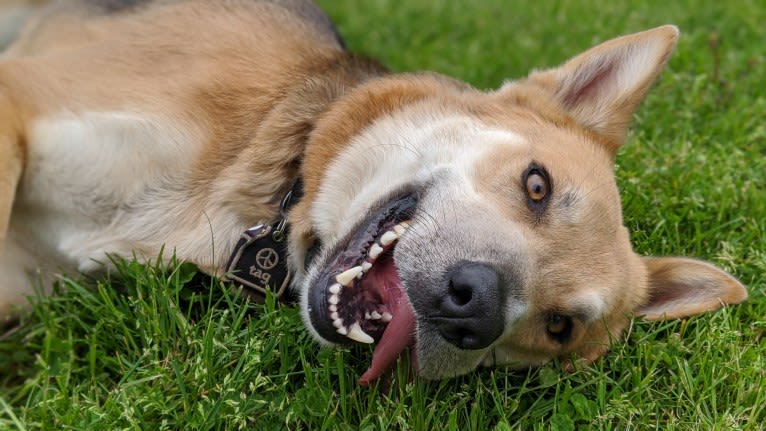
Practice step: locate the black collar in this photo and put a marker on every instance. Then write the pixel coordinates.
(259, 260)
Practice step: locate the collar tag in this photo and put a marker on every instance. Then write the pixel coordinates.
(259, 261)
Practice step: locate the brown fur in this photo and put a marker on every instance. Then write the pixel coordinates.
(12, 153)
(255, 110)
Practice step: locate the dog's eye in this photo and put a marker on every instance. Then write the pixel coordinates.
(537, 185)
(559, 327)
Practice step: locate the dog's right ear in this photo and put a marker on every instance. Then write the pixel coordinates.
(602, 87)
(680, 287)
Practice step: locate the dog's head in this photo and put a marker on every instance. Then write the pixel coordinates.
(486, 228)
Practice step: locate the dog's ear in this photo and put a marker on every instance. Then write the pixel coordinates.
(602, 87)
(680, 287)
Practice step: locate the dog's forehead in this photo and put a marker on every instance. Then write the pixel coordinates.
(566, 151)
(581, 172)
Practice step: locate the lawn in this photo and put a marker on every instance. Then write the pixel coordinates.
(155, 348)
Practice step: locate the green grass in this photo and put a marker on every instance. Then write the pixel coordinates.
(147, 350)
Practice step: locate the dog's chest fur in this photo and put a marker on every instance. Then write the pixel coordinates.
(85, 169)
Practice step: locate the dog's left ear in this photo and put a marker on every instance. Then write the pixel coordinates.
(602, 87)
(680, 287)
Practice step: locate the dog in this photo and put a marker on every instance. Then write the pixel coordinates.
(406, 210)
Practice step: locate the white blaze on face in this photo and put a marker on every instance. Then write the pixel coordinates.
(409, 148)
(591, 303)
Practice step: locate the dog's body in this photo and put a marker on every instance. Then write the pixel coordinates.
(129, 126)
(122, 115)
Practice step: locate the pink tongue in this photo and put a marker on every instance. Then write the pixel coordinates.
(399, 334)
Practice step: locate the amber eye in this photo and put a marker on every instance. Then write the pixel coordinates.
(559, 327)
(537, 186)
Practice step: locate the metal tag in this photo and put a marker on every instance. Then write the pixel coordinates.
(259, 261)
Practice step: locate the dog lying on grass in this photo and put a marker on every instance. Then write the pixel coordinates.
(410, 211)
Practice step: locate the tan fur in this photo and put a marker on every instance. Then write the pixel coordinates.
(11, 159)
(254, 119)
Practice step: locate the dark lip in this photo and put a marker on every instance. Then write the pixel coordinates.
(400, 207)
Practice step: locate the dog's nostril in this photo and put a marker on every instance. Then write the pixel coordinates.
(460, 294)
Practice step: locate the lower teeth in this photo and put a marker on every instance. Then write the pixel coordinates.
(346, 278)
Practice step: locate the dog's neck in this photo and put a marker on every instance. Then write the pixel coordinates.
(285, 131)
(277, 138)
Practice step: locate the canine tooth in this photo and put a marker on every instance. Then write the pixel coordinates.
(366, 266)
(334, 316)
(342, 330)
(346, 277)
(375, 315)
(388, 238)
(400, 229)
(335, 288)
(337, 323)
(334, 299)
(355, 333)
(375, 251)
(386, 317)
(333, 308)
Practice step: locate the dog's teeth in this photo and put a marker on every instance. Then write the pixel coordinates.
(400, 229)
(388, 238)
(375, 251)
(366, 266)
(333, 308)
(355, 333)
(342, 330)
(367, 315)
(345, 278)
(386, 317)
(333, 299)
(337, 323)
(335, 288)
(375, 315)
(334, 316)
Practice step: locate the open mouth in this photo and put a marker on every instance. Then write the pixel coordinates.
(358, 296)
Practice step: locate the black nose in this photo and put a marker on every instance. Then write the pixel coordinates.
(470, 314)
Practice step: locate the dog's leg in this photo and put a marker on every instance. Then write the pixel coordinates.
(11, 167)
(11, 164)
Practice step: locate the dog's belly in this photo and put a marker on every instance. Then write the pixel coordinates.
(84, 169)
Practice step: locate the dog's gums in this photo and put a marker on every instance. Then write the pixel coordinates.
(359, 296)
